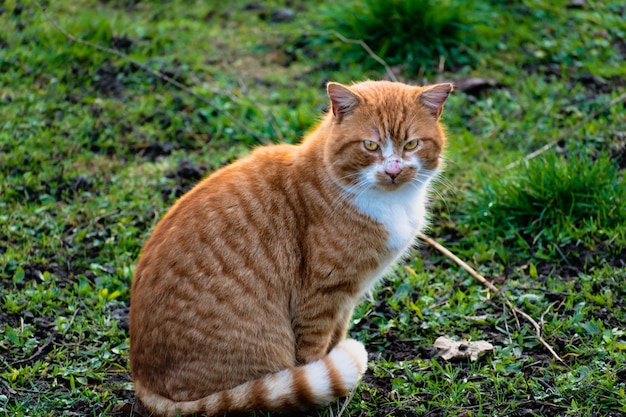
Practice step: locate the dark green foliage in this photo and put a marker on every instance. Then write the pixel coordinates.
(417, 33)
(553, 196)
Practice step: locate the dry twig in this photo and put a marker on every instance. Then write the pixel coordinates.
(369, 51)
(48, 341)
(146, 68)
(493, 288)
(346, 402)
(37, 353)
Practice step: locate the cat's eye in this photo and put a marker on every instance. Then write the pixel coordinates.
(370, 145)
(412, 144)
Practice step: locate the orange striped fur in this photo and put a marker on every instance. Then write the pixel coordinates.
(243, 294)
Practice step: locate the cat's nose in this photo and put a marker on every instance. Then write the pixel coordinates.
(393, 169)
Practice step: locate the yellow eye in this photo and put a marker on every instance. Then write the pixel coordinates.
(370, 145)
(412, 144)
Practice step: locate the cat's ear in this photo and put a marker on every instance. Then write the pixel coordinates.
(342, 99)
(434, 97)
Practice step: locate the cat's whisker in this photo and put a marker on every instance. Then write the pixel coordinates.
(433, 190)
(445, 184)
(439, 180)
(354, 174)
(423, 178)
(350, 194)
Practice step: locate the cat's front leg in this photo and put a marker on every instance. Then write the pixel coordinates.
(313, 339)
(341, 326)
(319, 327)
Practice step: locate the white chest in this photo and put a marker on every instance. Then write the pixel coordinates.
(402, 213)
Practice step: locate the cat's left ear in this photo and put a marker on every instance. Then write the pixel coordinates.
(342, 99)
(434, 97)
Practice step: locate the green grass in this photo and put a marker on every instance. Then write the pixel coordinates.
(411, 33)
(93, 150)
(553, 199)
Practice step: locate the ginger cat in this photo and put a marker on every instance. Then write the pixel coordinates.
(243, 294)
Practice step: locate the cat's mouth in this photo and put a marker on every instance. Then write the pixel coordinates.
(391, 184)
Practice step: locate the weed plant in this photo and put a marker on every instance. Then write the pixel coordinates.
(553, 198)
(415, 33)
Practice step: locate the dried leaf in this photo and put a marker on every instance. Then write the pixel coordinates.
(123, 410)
(454, 350)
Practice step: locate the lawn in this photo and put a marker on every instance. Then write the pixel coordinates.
(94, 149)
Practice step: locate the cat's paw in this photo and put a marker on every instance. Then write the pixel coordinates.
(350, 360)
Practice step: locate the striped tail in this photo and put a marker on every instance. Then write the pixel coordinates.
(309, 386)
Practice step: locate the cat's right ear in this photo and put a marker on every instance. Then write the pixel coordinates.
(342, 100)
(434, 96)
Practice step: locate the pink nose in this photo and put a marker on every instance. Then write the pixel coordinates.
(393, 168)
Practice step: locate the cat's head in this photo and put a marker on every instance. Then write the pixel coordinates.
(385, 135)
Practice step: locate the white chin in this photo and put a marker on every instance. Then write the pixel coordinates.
(389, 186)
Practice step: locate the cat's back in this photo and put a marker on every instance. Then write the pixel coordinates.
(262, 175)
(230, 202)
(236, 218)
